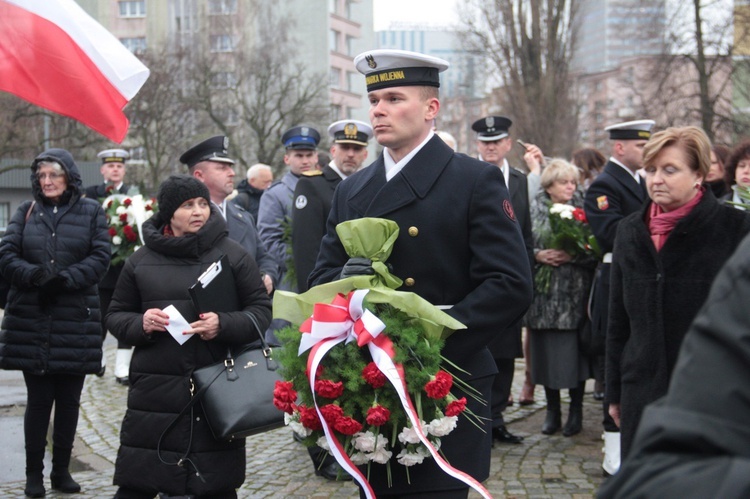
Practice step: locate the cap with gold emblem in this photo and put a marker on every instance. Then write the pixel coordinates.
(491, 128)
(631, 130)
(213, 149)
(301, 137)
(385, 68)
(113, 156)
(350, 132)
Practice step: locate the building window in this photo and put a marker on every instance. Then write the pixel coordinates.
(223, 79)
(221, 43)
(135, 45)
(133, 9)
(337, 112)
(333, 40)
(335, 78)
(350, 42)
(352, 79)
(4, 216)
(348, 9)
(333, 6)
(222, 7)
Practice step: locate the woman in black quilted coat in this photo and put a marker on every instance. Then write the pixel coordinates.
(53, 254)
(181, 240)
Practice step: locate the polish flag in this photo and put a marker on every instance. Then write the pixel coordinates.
(54, 55)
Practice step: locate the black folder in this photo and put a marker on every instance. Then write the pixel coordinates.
(215, 290)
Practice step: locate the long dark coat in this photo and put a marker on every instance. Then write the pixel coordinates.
(695, 442)
(464, 250)
(309, 215)
(65, 337)
(655, 296)
(155, 276)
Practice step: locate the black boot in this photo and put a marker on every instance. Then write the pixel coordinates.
(575, 415)
(34, 474)
(60, 476)
(553, 420)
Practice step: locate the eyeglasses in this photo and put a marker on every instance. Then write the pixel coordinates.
(52, 176)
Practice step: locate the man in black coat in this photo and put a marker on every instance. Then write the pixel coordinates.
(259, 178)
(314, 193)
(493, 144)
(459, 246)
(615, 193)
(113, 170)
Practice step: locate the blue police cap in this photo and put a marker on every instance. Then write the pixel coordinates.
(301, 137)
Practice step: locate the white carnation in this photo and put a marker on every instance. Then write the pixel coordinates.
(323, 444)
(409, 435)
(567, 215)
(359, 458)
(120, 210)
(116, 240)
(364, 442)
(443, 426)
(406, 458)
(381, 455)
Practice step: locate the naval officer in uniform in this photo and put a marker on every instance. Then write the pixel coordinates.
(615, 193)
(459, 245)
(494, 144)
(314, 193)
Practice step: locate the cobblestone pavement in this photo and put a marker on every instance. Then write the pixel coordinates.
(277, 467)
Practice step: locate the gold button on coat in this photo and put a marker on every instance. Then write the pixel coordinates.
(413, 231)
(409, 282)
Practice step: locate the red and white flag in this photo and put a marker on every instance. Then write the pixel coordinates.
(54, 55)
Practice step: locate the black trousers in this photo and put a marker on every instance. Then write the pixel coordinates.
(446, 494)
(126, 493)
(42, 392)
(501, 386)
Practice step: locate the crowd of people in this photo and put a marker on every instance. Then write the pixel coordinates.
(665, 212)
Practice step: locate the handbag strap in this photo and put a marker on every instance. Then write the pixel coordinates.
(228, 365)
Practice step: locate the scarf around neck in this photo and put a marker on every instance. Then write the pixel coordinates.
(661, 223)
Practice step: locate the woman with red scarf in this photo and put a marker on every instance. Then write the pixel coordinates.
(664, 261)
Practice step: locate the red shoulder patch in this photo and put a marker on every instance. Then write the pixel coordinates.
(508, 209)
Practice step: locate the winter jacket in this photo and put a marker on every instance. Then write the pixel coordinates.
(59, 332)
(248, 198)
(156, 276)
(654, 297)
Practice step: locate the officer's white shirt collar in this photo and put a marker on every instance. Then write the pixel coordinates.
(336, 169)
(632, 173)
(222, 208)
(392, 168)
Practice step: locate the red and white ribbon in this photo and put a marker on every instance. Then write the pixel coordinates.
(345, 320)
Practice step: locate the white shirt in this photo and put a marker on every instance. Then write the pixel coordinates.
(633, 174)
(392, 168)
(222, 208)
(336, 169)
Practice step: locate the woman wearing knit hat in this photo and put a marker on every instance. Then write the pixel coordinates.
(184, 237)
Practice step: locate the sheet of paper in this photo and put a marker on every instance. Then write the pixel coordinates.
(177, 324)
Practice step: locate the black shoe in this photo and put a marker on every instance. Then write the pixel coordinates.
(63, 482)
(598, 396)
(333, 472)
(551, 423)
(123, 381)
(34, 485)
(502, 435)
(101, 372)
(574, 425)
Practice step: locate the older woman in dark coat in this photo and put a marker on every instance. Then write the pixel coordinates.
(181, 241)
(53, 254)
(664, 261)
(555, 314)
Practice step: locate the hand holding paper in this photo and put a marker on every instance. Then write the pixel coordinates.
(177, 324)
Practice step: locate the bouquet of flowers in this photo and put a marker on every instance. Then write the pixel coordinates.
(125, 215)
(364, 376)
(568, 231)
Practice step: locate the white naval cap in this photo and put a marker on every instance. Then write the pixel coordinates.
(114, 156)
(385, 68)
(631, 130)
(350, 132)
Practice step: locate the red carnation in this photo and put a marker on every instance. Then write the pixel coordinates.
(130, 234)
(378, 416)
(123, 217)
(331, 413)
(109, 189)
(127, 202)
(456, 407)
(580, 215)
(347, 425)
(439, 386)
(373, 375)
(284, 396)
(109, 204)
(329, 389)
(112, 232)
(308, 416)
(149, 207)
(318, 372)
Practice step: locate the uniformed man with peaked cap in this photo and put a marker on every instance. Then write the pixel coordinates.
(615, 193)
(209, 161)
(459, 245)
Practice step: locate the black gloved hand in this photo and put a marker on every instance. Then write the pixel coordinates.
(357, 266)
(52, 285)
